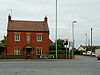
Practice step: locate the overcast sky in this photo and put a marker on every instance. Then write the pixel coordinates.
(85, 12)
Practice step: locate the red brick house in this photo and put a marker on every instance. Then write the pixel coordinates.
(28, 37)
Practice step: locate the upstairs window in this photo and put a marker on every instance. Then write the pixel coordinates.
(17, 36)
(28, 37)
(17, 51)
(39, 37)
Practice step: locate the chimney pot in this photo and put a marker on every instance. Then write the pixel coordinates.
(9, 17)
(46, 19)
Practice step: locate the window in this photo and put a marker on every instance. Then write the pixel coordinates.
(17, 36)
(39, 37)
(28, 37)
(17, 51)
(39, 51)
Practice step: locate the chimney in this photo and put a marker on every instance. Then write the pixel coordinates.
(46, 19)
(9, 18)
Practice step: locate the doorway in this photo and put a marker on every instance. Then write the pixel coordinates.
(28, 52)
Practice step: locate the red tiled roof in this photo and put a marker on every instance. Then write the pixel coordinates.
(97, 47)
(16, 25)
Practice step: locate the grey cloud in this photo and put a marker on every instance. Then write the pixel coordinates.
(86, 12)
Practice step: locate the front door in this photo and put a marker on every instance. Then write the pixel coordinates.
(28, 52)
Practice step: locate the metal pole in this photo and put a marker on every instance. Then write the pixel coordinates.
(56, 29)
(86, 44)
(86, 39)
(66, 51)
(73, 34)
(73, 37)
(10, 11)
(69, 53)
(91, 41)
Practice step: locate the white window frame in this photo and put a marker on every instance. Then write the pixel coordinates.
(39, 37)
(17, 36)
(17, 51)
(41, 50)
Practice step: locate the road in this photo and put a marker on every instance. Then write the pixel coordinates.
(82, 65)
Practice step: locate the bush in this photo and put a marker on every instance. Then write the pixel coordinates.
(58, 51)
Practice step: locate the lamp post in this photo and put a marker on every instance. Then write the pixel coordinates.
(56, 29)
(91, 41)
(73, 37)
(86, 42)
(73, 32)
(86, 39)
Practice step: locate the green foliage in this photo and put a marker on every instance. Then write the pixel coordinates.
(60, 45)
(58, 52)
(4, 42)
(77, 52)
(89, 48)
(52, 47)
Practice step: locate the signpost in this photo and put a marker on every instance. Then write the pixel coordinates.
(70, 48)
(70, 53)
(66, 43)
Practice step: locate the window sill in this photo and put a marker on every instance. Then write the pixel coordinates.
(39, 41)
(17, 40)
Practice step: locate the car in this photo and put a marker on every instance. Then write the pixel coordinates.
(93, 54)
(89, 53)
(84, 53)
(98, 57)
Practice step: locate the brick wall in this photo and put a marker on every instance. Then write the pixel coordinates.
(11, 43)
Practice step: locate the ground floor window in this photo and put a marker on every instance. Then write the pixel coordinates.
(39, 50)
(17, 51)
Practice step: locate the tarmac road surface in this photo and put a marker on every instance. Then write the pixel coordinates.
(82, 65)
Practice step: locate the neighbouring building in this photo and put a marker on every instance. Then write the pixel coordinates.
(84, 48)
(28, 37)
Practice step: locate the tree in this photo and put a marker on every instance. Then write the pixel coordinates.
(89, 48)
(60, 47)
(4, 42)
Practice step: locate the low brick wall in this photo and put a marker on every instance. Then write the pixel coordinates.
(13, 56)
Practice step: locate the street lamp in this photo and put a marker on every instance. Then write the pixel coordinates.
(86, 42)
(73, 32)
(91, 41)
(86, 39)
(56, 29)
(73, 37)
